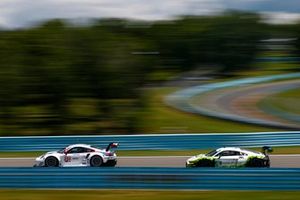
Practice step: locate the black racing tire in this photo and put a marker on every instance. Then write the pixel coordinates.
(110, 163)
(256, 162)
(96, 161)
(268, 164)
(205, 163)
(51, 161)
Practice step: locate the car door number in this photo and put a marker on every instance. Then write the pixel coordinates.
(67, 159)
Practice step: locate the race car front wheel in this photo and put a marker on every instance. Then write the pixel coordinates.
(96, 161)
(51, 162)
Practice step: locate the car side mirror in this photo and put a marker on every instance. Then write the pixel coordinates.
(65, 152)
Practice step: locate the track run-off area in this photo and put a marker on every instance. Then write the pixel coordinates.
(237, 100)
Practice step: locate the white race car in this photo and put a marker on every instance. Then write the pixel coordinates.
(79, 155)
(231, 157)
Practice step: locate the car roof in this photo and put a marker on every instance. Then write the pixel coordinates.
(237, 149)
(80, 145)
(229, 149)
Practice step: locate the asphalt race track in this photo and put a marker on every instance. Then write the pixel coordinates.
(242, 102)
(236, 100)
(282, 161)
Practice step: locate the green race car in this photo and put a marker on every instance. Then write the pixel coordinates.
(231, 157)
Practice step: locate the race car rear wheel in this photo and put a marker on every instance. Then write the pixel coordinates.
(96, 161)
(256, 162)
(51, 161)
(110, 163)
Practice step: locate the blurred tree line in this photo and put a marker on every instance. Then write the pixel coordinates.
(58, 78)
(296, 31)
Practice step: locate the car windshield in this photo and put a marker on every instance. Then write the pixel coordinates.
(211, 153)
(61, 150)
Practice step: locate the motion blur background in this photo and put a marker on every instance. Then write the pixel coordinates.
(70, 67)
(103, 67)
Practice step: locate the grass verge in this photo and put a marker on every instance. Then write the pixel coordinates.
(287, 101)
(159, 118)
(144, 195)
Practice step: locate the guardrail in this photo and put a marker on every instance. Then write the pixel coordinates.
(153, 141)
(151, 178)
(182, 99)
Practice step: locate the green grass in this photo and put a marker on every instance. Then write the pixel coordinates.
(155, 118)
(277, 150)
(274, 54)
(160, 118)
(145, 195)
(20, 154)
(269, 68)
(287, 101)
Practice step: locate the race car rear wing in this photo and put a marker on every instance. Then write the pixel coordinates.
(266, 150)
(111, 145)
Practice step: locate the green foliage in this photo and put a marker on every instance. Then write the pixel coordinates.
(297, 41)
(230, 41)
(46, 70)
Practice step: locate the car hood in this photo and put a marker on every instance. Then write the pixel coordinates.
(198, 157)
(51, 152)
(48, 153)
